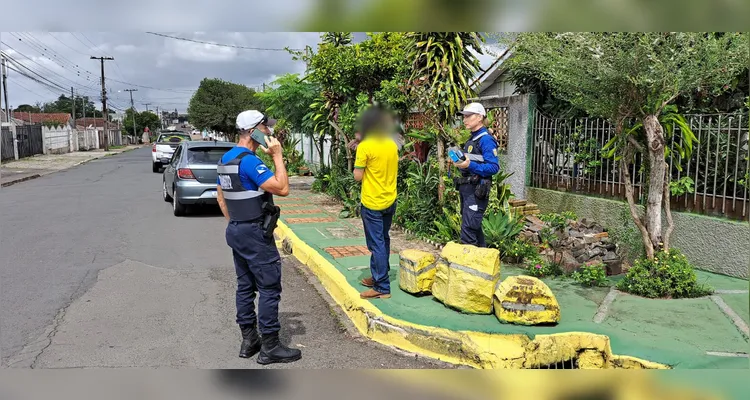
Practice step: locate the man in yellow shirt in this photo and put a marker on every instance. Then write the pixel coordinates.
(376, 166)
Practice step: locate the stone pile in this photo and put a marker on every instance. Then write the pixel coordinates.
(578, 243)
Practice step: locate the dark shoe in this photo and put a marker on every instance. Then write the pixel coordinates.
(250, 341)
(374, 294)
(367, 282)
(272, 351)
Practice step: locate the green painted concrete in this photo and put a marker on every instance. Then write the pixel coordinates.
(740, 303)
(675, 332)
(712, 244)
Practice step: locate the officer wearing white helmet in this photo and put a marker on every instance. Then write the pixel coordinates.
(477, 167)
(245, 192)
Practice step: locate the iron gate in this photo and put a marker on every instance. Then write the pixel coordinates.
(30, 140)
(7, 144)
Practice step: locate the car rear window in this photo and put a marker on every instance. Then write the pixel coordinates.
(206, 155)
(173, 138)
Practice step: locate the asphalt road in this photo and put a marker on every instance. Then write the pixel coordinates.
(59, 231)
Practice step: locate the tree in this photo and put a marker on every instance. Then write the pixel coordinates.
(216, 103)
(64, 104)
(26, 108)
(337, 38)
(289, 98)
(142, 120)
(344, 71)
(442, 65)
(636, 76)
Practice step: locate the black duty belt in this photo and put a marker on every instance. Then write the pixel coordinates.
(464, 180)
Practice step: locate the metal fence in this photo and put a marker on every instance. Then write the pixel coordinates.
(566, 156)
(30, 140)
(8, 153)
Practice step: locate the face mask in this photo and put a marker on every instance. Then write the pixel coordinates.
(270, 130)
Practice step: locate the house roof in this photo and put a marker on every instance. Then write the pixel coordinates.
(39, 118)
(90, 121)
(488, 77)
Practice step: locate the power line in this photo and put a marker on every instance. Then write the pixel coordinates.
(40, 65)
(220, 44)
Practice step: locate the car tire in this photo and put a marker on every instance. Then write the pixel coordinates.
(164, 193)
(178, 209)
(156, 167)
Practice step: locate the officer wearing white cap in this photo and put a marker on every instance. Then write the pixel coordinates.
(477, 168)
(245, 192)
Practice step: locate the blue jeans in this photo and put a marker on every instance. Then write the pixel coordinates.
(377, 226)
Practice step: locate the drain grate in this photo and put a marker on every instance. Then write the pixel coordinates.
(566, 364)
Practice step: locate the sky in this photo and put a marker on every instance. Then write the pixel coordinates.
(164, 71)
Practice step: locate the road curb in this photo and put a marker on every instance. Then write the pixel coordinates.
(19, 180)
(469, 348)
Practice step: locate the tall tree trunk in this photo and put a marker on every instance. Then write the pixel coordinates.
(633, 208)
(667, 211)
(441, 167)
(656, 179)
(321, 149)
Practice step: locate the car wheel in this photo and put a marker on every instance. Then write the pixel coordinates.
(156, 167)
(164, 193)
(178, 208)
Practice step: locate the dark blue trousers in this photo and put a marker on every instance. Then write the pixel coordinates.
(377, 233)
(472, 213)
(258, 267)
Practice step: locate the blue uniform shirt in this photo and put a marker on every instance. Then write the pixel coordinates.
(488, 147)
(253, 172)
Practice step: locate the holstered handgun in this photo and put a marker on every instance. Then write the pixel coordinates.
(271, 214)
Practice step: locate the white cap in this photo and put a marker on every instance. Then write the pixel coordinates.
(474, 108)
(251, 118)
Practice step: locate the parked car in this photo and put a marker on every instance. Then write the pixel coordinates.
(190, 176)
(164, 146)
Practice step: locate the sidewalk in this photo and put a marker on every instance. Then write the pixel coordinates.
(13, 172)
(687, 333)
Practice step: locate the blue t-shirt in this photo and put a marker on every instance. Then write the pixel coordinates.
(253, 172)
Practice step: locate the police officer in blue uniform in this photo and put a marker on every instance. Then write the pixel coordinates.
(245, 191)
(477, 169)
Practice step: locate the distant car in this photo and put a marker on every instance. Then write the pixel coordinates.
(190, 176)
(163, 148)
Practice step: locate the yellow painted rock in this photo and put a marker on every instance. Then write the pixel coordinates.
(417, 270)
(466, 276)
(525, 300)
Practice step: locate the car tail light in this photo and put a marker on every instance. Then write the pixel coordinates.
(185, 173)
(153, 148)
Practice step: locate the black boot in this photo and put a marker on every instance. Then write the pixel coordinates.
(272, 351)
(250, 341)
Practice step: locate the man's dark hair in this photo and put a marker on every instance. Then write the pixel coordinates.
(374, 119)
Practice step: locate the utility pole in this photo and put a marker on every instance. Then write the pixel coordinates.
(132, 108)
(147, 104)
(73, 99)
(5, 89)
(8, 117)
(105, 135)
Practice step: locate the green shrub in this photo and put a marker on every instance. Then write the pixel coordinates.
(501, 227)
(591, 275)
(558, 221)
(538, 267)
(668, 275)
(517, 250)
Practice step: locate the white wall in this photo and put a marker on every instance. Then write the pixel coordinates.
(57, 139)
(88, 139)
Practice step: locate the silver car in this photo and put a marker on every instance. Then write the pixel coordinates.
(190, 176)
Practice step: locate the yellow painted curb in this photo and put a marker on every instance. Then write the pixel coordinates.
(470, 348)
